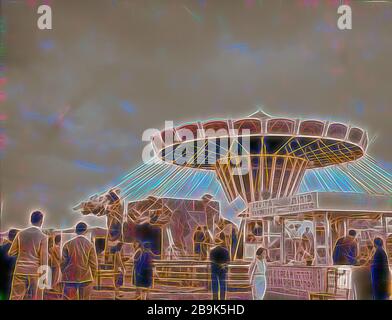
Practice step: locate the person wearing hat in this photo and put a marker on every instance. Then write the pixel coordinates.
(220, 257)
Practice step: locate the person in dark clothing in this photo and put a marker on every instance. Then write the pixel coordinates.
(346, 250)
(143, 272)
(219, 256)
(234, 243)
(379, 268)
(198, 239)
(7, 265)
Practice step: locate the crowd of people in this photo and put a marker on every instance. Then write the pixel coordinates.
(372, 259)
(73, 268)
(376, 261)
(28, 266)
(371, 276)
(31, 263)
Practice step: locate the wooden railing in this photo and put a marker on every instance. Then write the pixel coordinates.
(183, 275)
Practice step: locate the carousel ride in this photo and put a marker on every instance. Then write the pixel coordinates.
(261, 157)
(252, 160)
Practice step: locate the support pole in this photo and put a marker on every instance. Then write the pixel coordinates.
(282, 249)
(328, 239)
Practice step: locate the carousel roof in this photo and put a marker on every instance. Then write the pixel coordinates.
(322, 143)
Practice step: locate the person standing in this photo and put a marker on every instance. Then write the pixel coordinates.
(142, 271)
(234, 243)
(220, 257)
(30, 247)
(7, 265)
(118, 266)
(114, 211)
(257, 274)
(206, 243)
(228, 230)
(297, 242)
(112, 244)
(198, 240)
(78, 265)
(380, 273)
(308, 241)
(346, 250)
(55, 262)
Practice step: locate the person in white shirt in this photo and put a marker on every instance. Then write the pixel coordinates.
(30, 247)
(258, 270)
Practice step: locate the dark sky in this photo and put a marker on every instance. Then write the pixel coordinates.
(79, 97)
